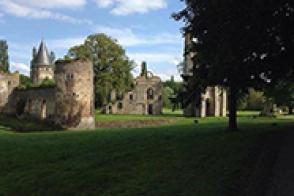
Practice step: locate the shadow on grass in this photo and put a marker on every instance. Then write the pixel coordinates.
(9, 123)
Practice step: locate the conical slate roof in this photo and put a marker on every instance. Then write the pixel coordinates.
(42, 57)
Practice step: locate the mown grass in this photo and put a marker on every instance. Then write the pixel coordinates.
(182, 159)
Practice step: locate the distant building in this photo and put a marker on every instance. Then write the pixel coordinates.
(145, 98)
(213, 102)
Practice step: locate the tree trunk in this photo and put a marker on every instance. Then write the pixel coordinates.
(233, 109)
(290, 110)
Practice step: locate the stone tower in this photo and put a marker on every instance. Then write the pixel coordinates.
(74, 94)
(41, 66)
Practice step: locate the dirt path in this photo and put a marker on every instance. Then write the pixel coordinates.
(282, 182)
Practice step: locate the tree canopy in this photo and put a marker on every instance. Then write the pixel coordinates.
(239, 43)
(112, 67)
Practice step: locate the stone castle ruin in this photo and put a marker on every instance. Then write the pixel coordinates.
(69, 103)
(213, 100)
(145, 98)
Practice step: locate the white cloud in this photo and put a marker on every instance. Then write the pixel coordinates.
(104, 3)
(26, 10)
(127, 37)
(48, 4)
(65, 43)
(22, 68)
(126, 7)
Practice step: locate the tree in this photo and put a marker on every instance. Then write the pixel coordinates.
(239, 44)
(282, 94)
(175, 86)
(166, 95)
(112, 67)
(4, 62)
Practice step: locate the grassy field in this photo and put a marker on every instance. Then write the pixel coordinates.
(167, 113)
(181, 159)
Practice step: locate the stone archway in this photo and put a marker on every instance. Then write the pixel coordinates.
(20, 107)
(44, 109)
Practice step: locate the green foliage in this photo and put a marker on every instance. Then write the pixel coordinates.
(4, 62)
(175, 86)
(27, 83)
(48, 83)
(239, 44)
(112, 67)
(282, 93)
(171, 91)
(253, 100)
(166, 94)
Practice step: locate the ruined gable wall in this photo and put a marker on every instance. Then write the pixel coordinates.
(136, 102)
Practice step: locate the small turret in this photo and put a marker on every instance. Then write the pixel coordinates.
(42, 57)
(34, 53)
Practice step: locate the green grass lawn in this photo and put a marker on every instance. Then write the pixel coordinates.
(181, 159)
(167, 113)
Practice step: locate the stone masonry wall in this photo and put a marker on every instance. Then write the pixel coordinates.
(75, 94)
(8, 82)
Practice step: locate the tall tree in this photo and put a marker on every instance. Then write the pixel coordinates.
(112, 67)
(239, 43)
(4, 61)
(282, 94)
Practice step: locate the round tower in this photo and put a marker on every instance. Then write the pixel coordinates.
(74, 94)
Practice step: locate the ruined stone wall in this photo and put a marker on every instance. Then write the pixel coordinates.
(8, 82)
(35, 103)
(40, 73)
(74, 94)
(137, 101)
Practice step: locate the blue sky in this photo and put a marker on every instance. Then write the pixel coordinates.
(143, 27)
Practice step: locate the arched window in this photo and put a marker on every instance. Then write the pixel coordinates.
(150, 94)
(120, 105)
(43, 109)
(30, 106)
